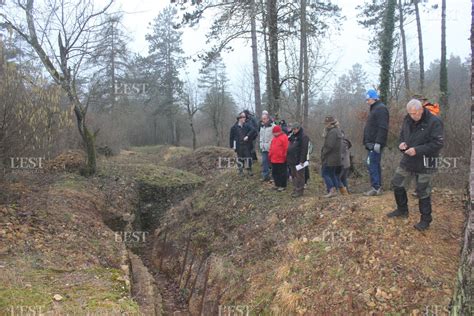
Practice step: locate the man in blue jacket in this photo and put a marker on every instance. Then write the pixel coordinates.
(421, 139)
(375, 139)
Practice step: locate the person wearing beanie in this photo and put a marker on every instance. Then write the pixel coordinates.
(266, 136)
(297, 155)
(277, 156)
(375, 139)
(331, 156)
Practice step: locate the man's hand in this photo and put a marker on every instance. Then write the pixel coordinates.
(403, 146)
(377, 148)
(246, 138)
(302, 164)
(410, 151)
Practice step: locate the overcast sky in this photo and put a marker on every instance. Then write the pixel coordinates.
(348, 48)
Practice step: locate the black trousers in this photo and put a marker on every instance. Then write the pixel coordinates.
(280, 174)
(244, 156)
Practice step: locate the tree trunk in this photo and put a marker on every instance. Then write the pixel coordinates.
(299, 86)
(268, 75)
(273, 40)
(420, 47)
(87, 136)
(463, 300)
(155, 130)
(256, 76)
(89, 141)
(443, 72)
(112, 94)
(386, 50)
(193, 132)
(215, 124)
(304, 34)
(404, 48)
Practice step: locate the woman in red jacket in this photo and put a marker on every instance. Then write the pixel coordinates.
(277, 156)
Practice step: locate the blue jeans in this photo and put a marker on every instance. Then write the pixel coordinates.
(375, 171)
(265, 165)
(330, 177)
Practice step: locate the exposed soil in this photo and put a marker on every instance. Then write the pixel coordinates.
(231, 244)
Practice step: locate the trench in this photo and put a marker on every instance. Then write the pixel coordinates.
(154, 291)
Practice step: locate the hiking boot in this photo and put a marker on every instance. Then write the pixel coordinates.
(397, 213)
(425, 209)
(343, 191)
(266, 179)
(275, 188)
(281, 189)
(331, 193)
(422, 225)
(250, 173)
(373, 192)
(296, 194)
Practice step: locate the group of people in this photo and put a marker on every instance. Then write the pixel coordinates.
(285, 152)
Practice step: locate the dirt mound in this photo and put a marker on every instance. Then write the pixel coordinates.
(70, 161)
(56, 254)
(206, 161)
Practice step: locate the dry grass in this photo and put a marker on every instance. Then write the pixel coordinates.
(286, 301)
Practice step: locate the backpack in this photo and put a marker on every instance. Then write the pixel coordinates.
(433, 108)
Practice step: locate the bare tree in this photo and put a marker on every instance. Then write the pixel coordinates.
(420, 46)
(272, 24)
(404, 46)
(256, 76)
(74, 24)
(190, 98)
(443, 72)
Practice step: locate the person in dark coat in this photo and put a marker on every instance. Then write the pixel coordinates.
(297, 153)
(346, 165)
(331, 156)
(421, 139)
(277, 156)
(375, 139)
(241, 135)
(252, 120)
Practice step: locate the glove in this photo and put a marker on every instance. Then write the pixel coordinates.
(377, 148)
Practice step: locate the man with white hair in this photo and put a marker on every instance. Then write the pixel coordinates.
(421, 139)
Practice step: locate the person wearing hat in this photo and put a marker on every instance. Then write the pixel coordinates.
(241, 135)
(277, 156)
(297, 153)
(421, 139)
(331, 156)
(375, 139)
